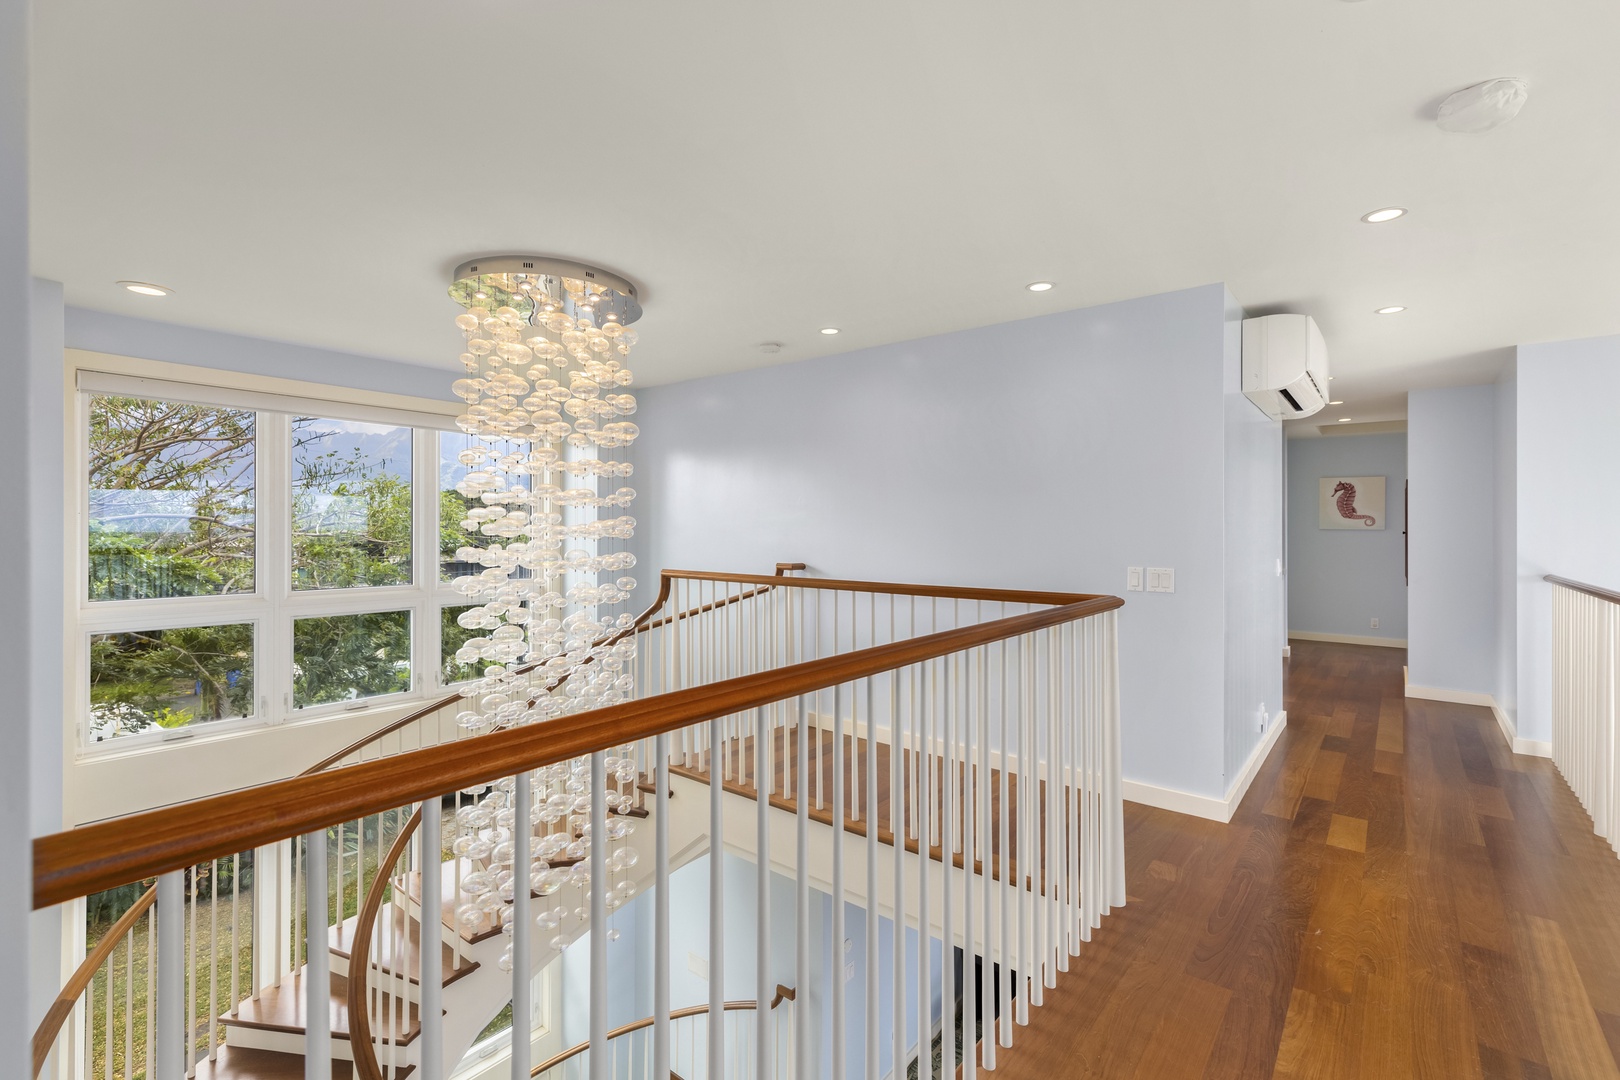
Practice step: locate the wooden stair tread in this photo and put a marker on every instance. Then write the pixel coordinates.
(404, 935)
(247, 1063)
(447, 878)
(281, 1008)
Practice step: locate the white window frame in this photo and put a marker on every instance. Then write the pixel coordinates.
(274, 604)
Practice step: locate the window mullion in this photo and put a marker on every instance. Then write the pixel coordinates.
(274, 566)
(425, 559)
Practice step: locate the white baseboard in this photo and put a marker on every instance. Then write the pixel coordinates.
(1528, 747)
(1457, 697)
(1204, 806)
(1349, 639)
(1287, 651)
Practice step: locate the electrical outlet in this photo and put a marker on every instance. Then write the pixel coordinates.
(1375, 624)
(1133, 579)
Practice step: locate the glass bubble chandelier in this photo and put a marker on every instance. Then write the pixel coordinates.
(546, 341)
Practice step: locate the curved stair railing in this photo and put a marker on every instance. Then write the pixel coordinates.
(943, 756)
(629, 1047)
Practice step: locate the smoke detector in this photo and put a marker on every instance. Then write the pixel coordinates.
(1483, 106)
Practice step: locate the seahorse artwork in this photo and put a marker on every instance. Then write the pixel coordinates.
(1345, 498)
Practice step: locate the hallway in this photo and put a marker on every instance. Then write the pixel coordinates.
(1397, 896)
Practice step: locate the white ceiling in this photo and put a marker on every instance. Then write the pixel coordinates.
(311, 171)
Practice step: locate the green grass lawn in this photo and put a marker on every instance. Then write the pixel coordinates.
(211, 992)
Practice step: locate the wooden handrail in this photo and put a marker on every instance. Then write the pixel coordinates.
(1581, 587)
(55, 1016)
(68, 996)
(77, 863)
(940, 592)
(642, 625)
(450, 699)
(783, 993)
(365, 1061)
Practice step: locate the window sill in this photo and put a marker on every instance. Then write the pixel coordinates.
(382, 712)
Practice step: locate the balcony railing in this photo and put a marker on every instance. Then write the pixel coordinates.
(942, 759)
(1586, 698)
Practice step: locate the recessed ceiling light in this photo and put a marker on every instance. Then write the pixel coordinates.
(1388, 213)
(1038, 286)
(829, 330)
(145, 288)
(1344, 419)
(1393, 309)
(1335, 403)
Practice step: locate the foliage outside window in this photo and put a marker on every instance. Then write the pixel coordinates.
(169, 678)
(171, 499)
(351, 504)
(180, 527)
(346, 657)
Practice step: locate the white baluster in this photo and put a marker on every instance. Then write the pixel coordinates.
(171, 975)
(762, 886)
(839, 991)
(1005, 853)
(717, 921)
(897, 833)
(599, 923)
(661, 942)
(523, 917)
(801, 864)
(872, 959)
(317, 970)
(431, 973)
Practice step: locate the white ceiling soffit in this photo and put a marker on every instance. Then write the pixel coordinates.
(311, 171)
(1300, 430)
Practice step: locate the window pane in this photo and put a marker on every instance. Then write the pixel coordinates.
(171, 499)
(148, 679)
(351, 509)
(346, 657)
(459, 455)
(452, 636)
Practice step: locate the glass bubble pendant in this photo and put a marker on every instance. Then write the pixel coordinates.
(546, 522)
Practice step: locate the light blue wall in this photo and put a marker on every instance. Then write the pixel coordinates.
(1339, 581)
(1255, 624)
(1568, 453)
(1048, 453)
(1452, 599)
(19, 645)
(99, 331)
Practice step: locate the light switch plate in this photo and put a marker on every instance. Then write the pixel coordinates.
(697, 965)
(1133, 579)
(1161, 579)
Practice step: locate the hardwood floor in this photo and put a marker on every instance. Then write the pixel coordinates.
(1397, 896)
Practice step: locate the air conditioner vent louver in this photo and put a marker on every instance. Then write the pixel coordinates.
(1285, 365)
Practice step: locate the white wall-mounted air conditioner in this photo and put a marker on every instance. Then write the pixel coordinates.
(1285, 365)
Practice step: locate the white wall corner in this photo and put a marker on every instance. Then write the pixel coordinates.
(1185, 802)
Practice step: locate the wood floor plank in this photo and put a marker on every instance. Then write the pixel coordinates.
(1574, 1038)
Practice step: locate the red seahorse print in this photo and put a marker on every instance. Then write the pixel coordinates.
(1346, 493)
